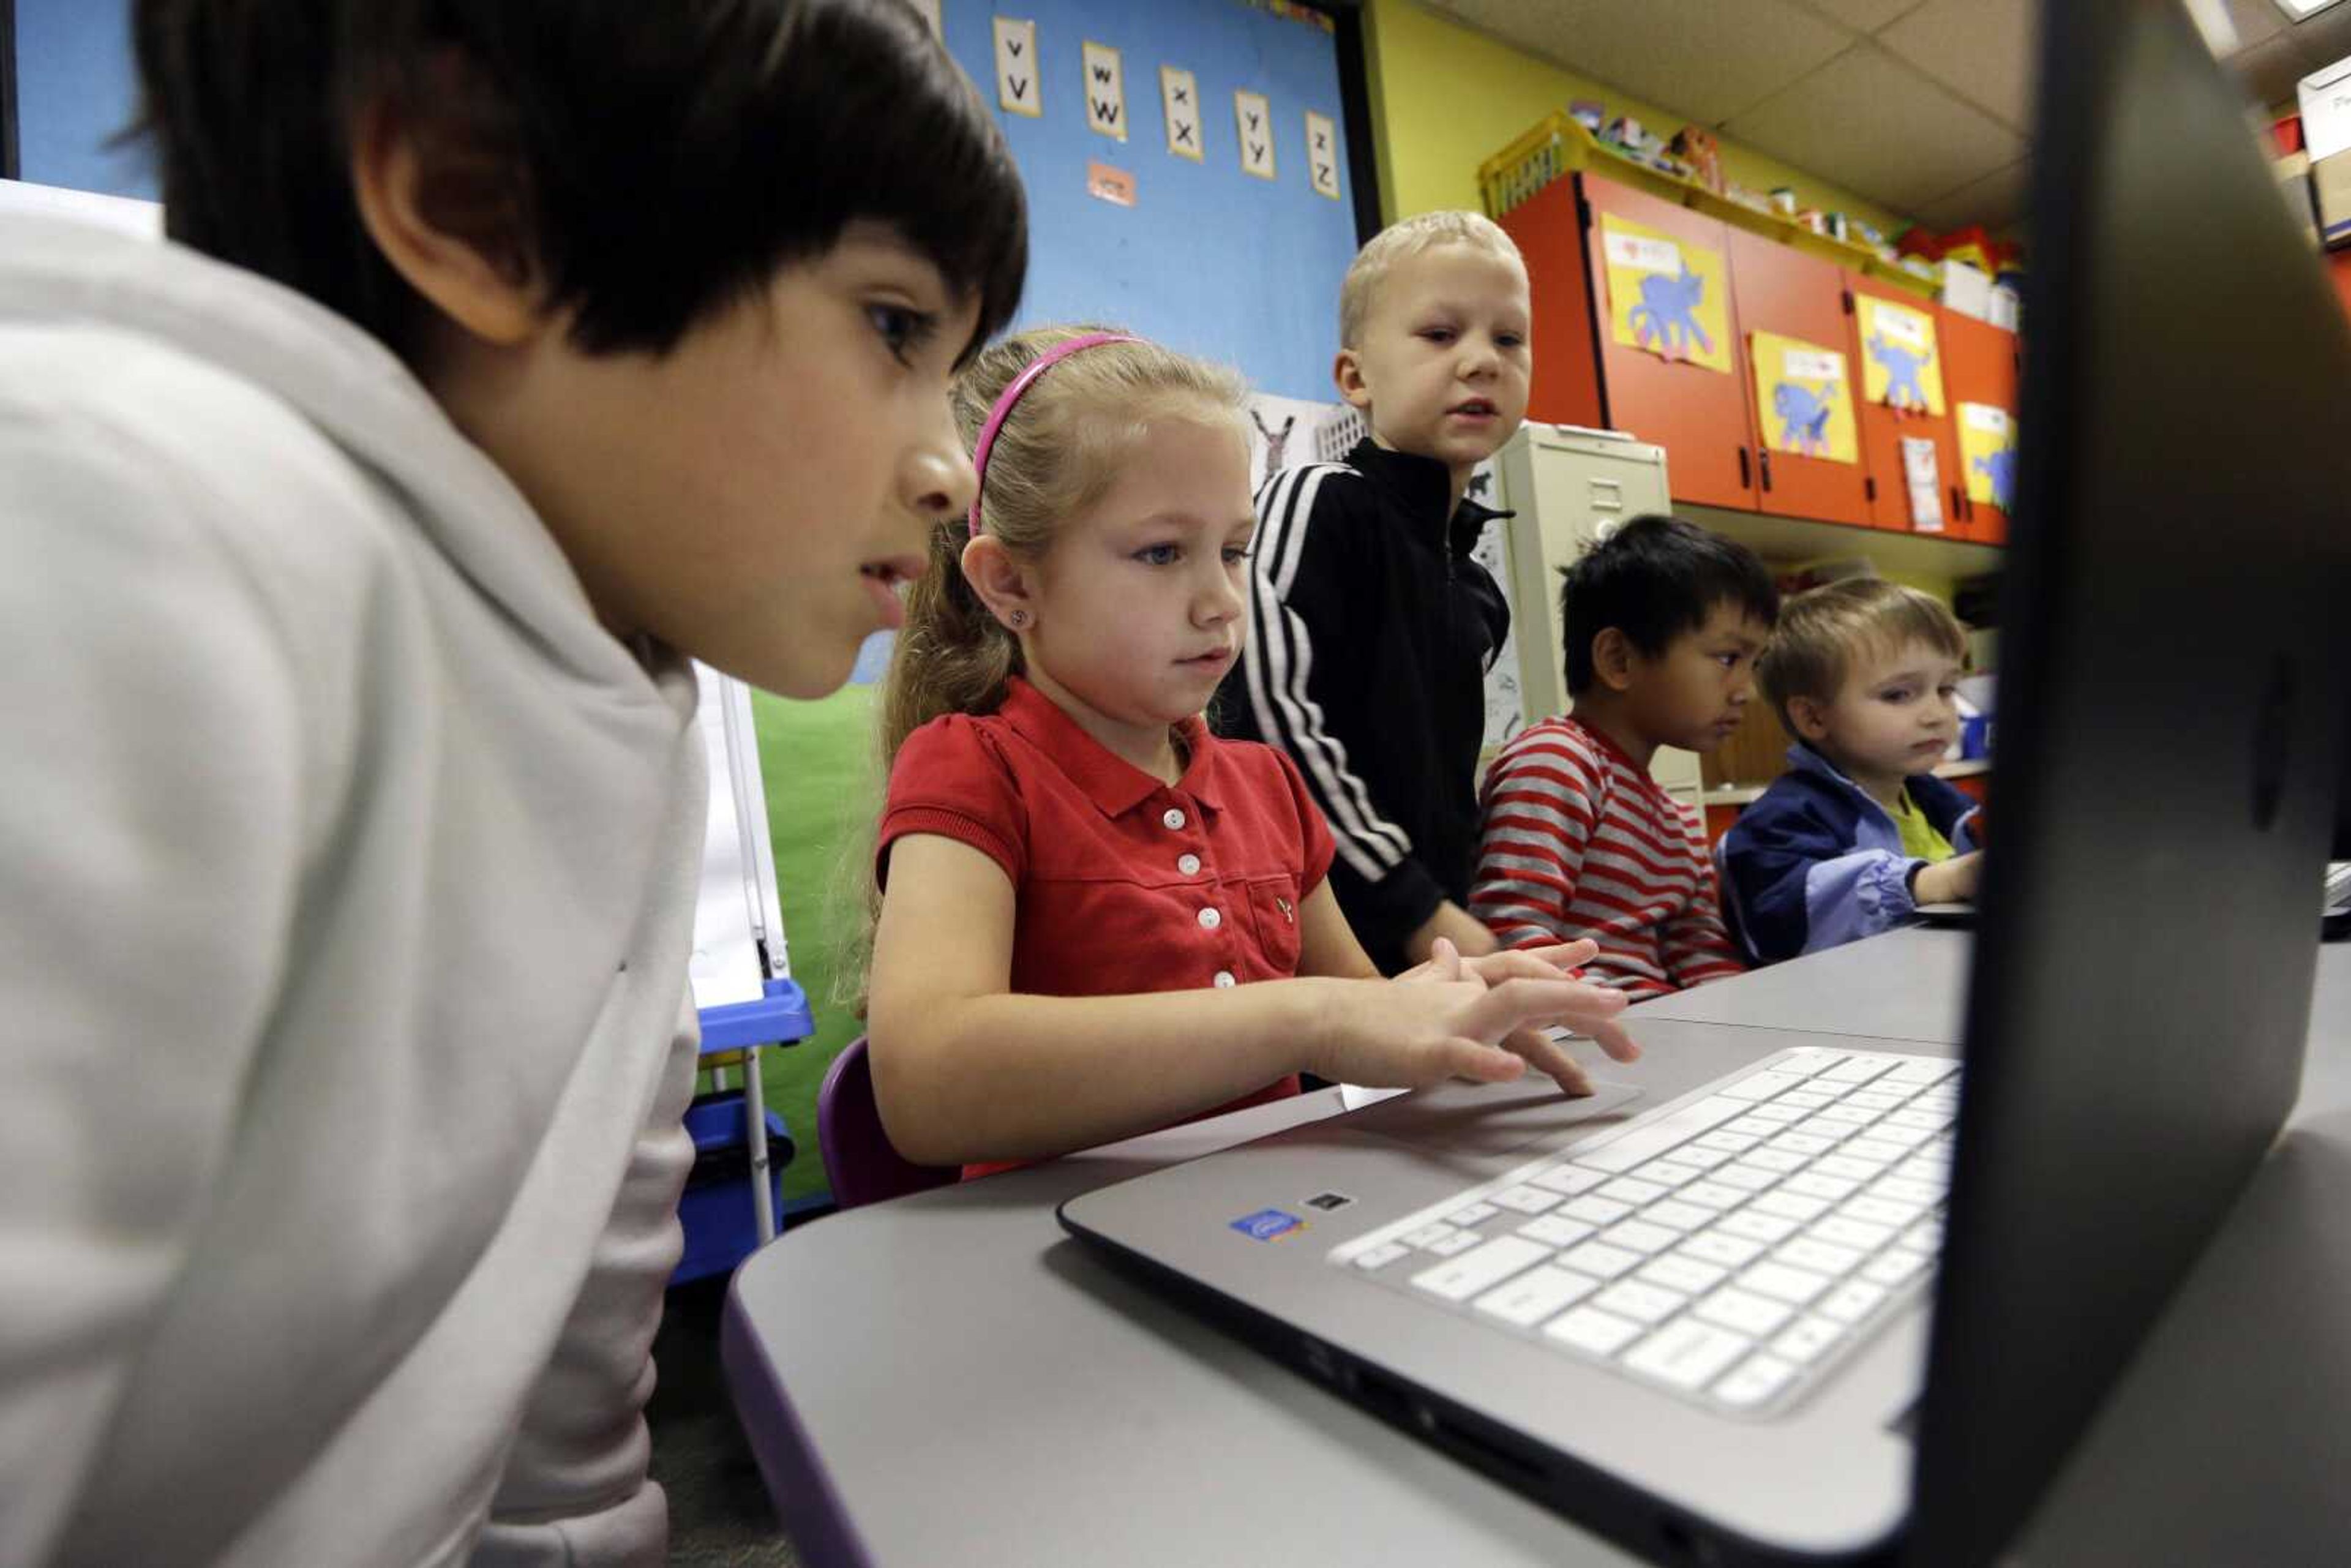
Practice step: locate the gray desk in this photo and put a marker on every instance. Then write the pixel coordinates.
(948, 1379)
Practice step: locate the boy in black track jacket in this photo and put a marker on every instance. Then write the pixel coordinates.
(1370, 627)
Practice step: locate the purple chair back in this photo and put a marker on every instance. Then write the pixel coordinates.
(859, 1160)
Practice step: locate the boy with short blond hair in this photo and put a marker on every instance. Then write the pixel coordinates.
(1859, 831)
(1663, 623)
(1371, 626)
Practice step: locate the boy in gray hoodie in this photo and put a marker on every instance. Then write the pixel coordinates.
(353, 546)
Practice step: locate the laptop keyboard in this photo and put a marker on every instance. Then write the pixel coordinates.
(1732, 1250)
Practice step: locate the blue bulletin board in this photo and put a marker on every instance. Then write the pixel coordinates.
(1211, 259)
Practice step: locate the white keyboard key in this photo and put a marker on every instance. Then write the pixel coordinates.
(1807, 1337)
(1862, 1146)
(1907, 1138)
(1855, 1070)
(1927, 1174)
(1759, 1086)
(1712, 1194)
(1570, 1180)
(1856, 1233)
(1680, 1216)
(1427, 1236)
(1926, 1237)
(1594, 1210)
(1476, 1214)
(1586, 1328)
(1795, 1286)
(1849, 1115)
(1635, 1235)
(1598, 1258)
(1768, 1228)
(1535, 1295)
(1727, 1143)
(1850, 1167)
(1699, 1158)
(1792, 1206)
(1894, 1266)
(1805, 1099)
(1828, 1189)
(1639, 1145)
(1642, 1302)
(1624, 1190)
(1902, 1190)
(1746, 1177)
(1459, 1242)
(1803, 1144)
(1380, 1257)
(1825, 1256)
(1877, 1099)
(1667, 1172)
(1714, 1247)
(1744, 1311)
(1882, 1210)
(1851, 1302)
(1836, 1132)
(1774, 1159)
(1784, 1114)
(1555, 1230)
(1482, 1269)
(1806, 1060)
(1757, 1379)
(1676, 1273)
(1922, 1070)
(1687, 1353)
(1527, 1199)
(1925, 1121)
(1754, 1127)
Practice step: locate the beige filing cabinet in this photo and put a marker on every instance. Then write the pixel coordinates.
(1570, 486)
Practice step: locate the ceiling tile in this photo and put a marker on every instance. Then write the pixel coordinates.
(1983, 50)
(1707, 59)
(1862, 15)
(1877, 126)
(1996, 201)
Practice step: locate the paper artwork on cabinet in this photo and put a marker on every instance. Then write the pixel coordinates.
(1803, 399)
(1179, 97)
(1016, 87)
(1665, 297)
(1988, 453)
(1901, 367)
(1923, 478)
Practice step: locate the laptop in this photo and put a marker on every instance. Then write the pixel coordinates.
(1774, 1297)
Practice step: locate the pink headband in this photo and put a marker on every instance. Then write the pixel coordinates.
(1011, 396)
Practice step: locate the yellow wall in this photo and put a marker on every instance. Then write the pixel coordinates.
(1446, 98)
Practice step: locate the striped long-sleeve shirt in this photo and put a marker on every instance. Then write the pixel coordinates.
(1578, 841)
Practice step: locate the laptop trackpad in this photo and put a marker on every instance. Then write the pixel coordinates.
(1476, 1118)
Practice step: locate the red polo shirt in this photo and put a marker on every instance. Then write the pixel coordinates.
(1121, 883)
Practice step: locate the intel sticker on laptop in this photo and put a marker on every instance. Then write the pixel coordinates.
(1268, 1225)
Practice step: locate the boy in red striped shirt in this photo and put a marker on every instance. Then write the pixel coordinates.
(1663, 624)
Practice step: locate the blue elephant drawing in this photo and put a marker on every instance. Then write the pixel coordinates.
(1999, 467)
(1803, 417)
(1666, 317)
(1902, 368)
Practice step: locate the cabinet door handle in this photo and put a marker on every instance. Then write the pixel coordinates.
(1959, 506)
(1763, 462)
(1746, 476)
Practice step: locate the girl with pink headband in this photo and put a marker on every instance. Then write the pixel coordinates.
(1094, 917)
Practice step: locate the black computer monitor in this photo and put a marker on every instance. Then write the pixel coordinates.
(2172, 701)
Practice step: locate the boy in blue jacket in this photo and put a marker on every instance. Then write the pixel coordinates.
(1859, 832)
